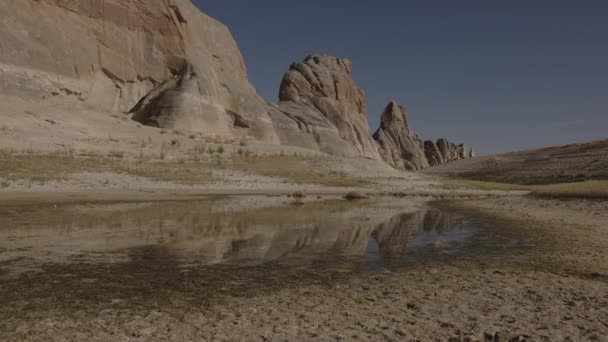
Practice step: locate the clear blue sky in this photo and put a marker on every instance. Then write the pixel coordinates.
(498, 75)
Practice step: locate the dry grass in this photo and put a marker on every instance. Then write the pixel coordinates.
(588, 189)
(187, 173)
(41, 168)
(291, 168)
(481, 185)
(46, 167)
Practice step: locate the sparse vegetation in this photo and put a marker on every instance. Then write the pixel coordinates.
(162, 150)
(552, 165)
(116, 154)
(42, 168)
(46, 167)
(71, 152)
(291, 168)
(182, 173)
(588, 189)
(297, 201)
(141, 151)
(481, 185)
(298, 194)
(355, 195)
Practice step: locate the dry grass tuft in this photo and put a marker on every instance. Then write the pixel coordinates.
(42, 168)
(454, 183)
(355, 195)
(589, 189)
(39, 167)
(46, 167)
(291, 168)
(182, 172)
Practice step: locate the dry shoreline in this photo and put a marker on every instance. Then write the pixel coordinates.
(25, 198)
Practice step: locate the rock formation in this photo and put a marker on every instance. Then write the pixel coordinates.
(433, 154)
(399, 146)
(403, 149)
(165, 61)
(320, 95)
(168, 65)
(472, 153)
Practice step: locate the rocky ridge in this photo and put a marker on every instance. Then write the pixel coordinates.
(399, 145)
(403, 149)
(320, 94)
(168, 65)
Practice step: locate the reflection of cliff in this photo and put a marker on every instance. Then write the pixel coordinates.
(199, 231)
(436, 221)
(392, 236)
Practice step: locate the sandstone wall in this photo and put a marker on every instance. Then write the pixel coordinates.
(403, 149)
(111, 54)
(170, 66)
(320, 94)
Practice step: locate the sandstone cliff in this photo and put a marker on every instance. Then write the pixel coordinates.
(399, 146)
(165, 61)
(321, 96)
(403, 149)
(165, 64)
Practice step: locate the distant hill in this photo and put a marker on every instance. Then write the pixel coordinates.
(558, 164)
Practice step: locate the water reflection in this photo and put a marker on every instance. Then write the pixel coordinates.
(234, 231)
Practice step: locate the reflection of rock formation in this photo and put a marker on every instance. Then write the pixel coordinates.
(393, 235)
(196, 231)
(435, 221)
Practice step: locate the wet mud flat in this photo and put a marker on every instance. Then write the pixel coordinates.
(254, 269)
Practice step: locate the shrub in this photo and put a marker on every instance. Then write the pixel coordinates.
(355, 195)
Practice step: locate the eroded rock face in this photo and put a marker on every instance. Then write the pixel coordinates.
(399, 146)
(165, 61)
(449, 151)
(171, 66)
(433, 155)
(403, 149)
(320, 95)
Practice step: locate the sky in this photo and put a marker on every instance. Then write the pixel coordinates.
(499, 75)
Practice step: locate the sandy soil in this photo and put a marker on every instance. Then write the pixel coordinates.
(457, 302)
